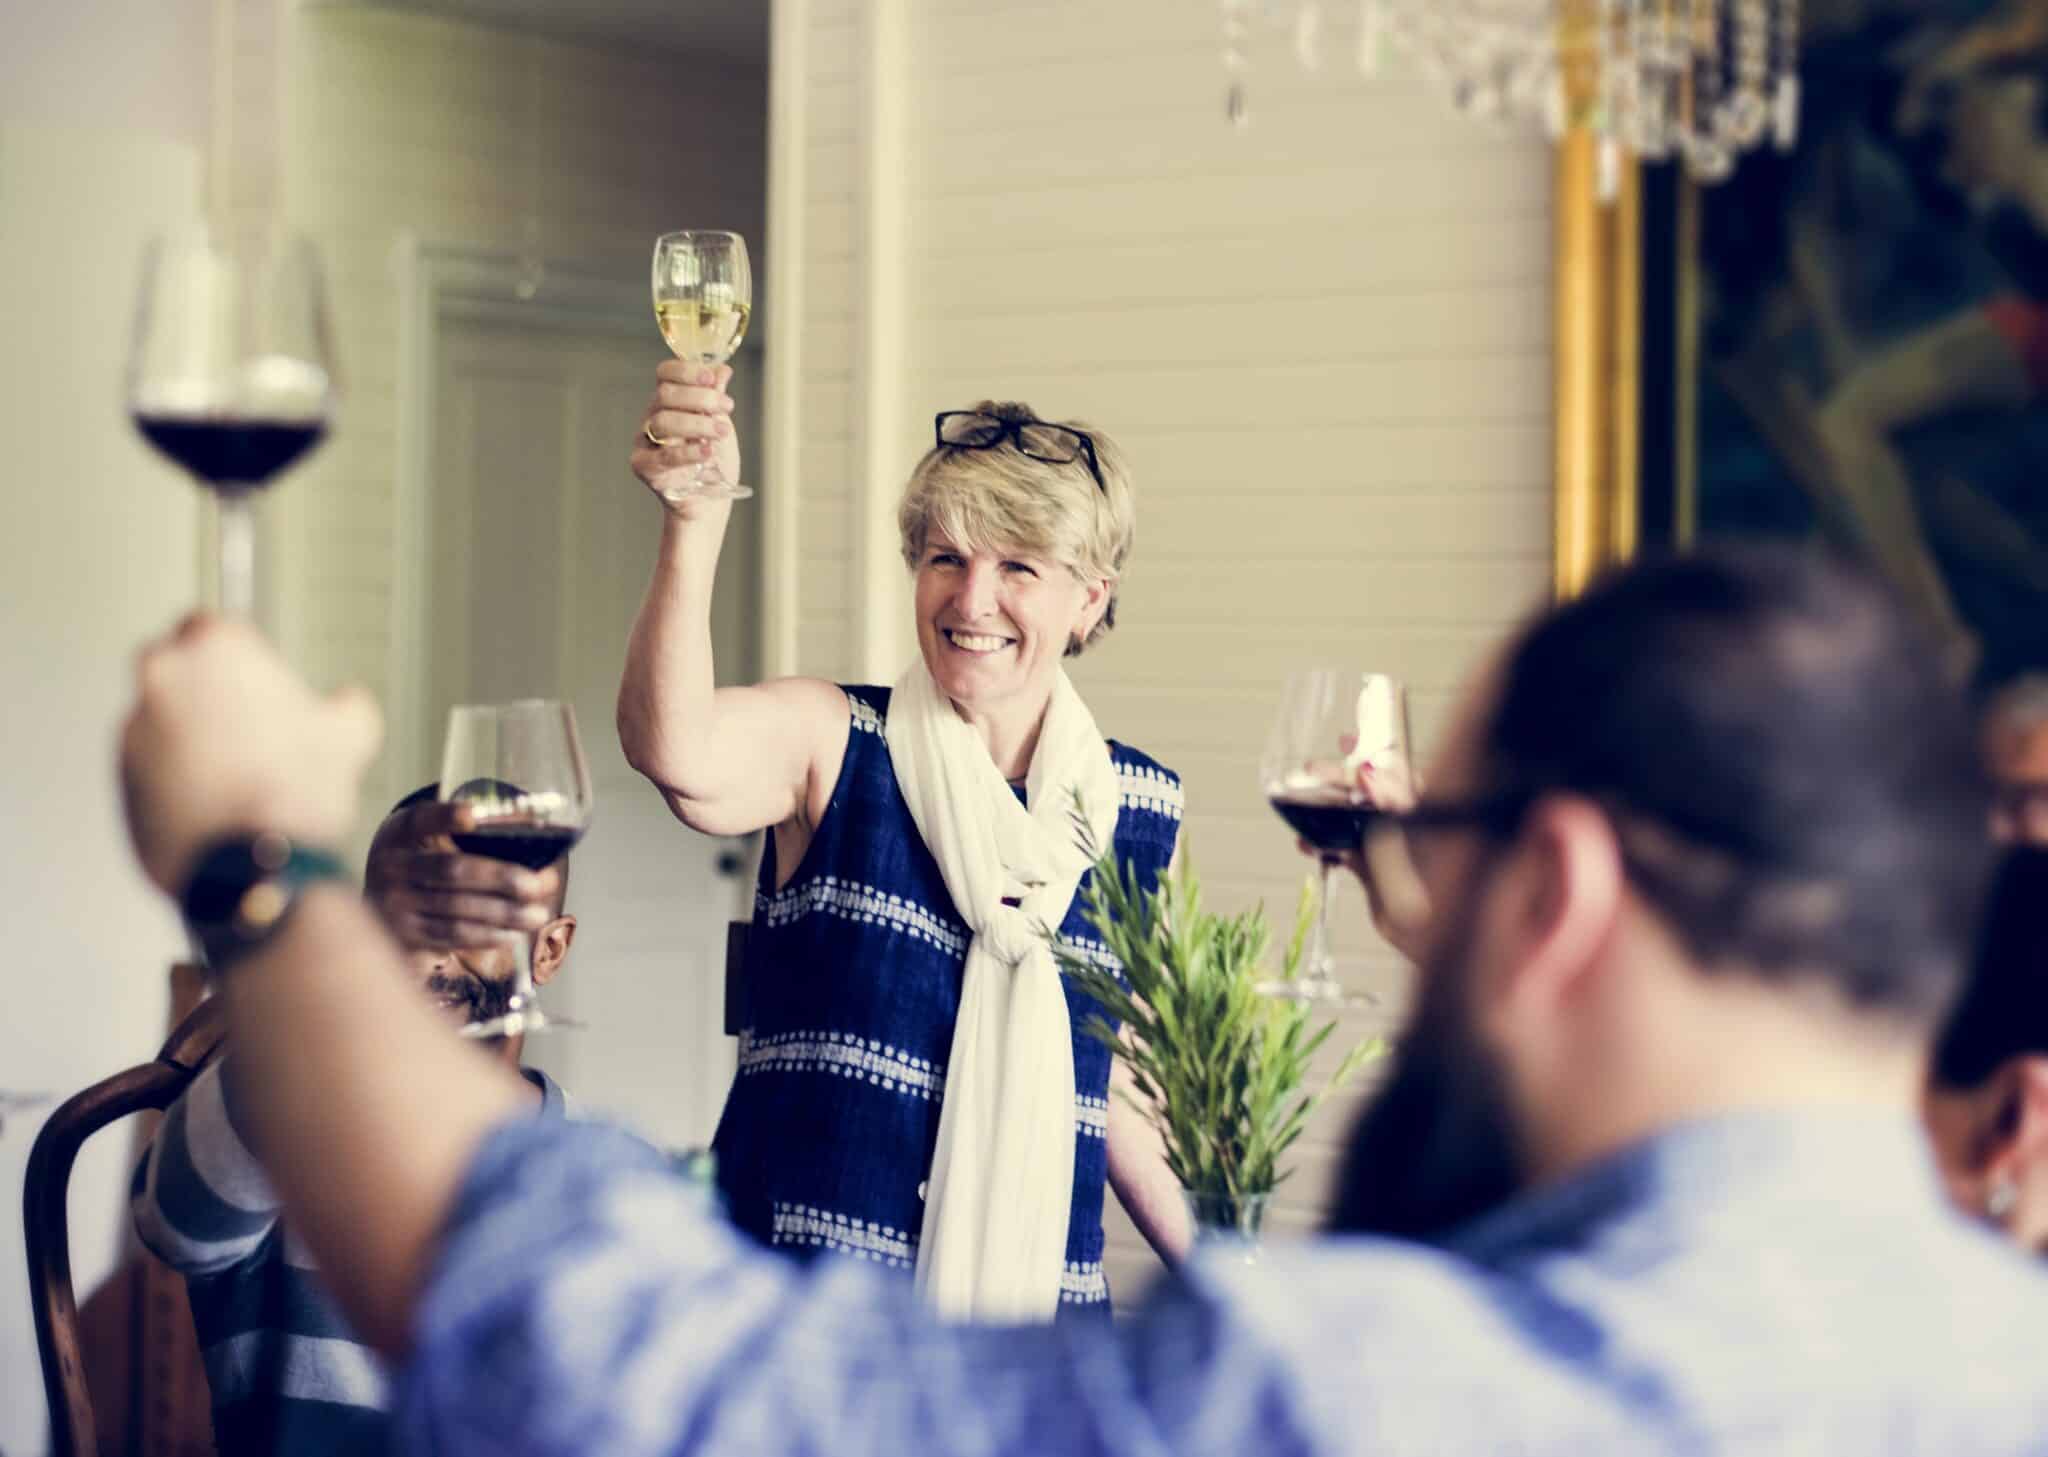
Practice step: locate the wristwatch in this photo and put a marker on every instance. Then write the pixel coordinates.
(243, 889)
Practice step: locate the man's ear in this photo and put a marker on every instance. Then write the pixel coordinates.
(1565, 896)
(551, 948)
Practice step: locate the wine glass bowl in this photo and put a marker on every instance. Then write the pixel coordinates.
(703, 286)
(1332, 734)
(518, 769)
(231, 371)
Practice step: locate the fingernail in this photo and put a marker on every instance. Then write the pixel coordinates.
(725, 401)
(703, 376)
(722, 426)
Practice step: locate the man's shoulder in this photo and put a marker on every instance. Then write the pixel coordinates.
(1424, 1349)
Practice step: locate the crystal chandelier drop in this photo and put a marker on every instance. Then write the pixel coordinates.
(1702, 81)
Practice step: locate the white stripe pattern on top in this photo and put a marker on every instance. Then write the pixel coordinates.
(864, 905)
(865, 717)
(1083, 1284)
(842, 1054)
(805, 1224)
(1143, 787)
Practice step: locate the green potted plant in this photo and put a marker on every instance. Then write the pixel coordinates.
(1221, 1069)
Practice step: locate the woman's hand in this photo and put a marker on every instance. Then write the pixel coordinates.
(1393, 887)
(691, 413)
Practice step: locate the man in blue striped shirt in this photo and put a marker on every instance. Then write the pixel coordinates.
(286, 1372)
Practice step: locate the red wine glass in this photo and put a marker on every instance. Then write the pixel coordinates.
(231, 372)
(519, 768)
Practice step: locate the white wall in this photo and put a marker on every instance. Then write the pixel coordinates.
(365, 127)
(1322, 339)
(103, 112)
(137, 66)
(404, 126)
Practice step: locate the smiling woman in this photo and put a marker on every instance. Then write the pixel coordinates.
(915, 1087)
(1017, 541)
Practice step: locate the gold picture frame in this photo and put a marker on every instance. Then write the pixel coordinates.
(1597, 364)
(1845, 343)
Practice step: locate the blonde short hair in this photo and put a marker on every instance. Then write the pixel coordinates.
(1001, 499)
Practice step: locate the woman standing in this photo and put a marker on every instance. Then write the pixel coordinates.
(915, 1086)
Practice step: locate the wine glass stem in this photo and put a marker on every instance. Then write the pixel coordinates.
(235, 538)
(522, 973)
(1320, 962)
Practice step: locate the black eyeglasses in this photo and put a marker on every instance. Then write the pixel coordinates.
(1499, 813)
(1053, 444)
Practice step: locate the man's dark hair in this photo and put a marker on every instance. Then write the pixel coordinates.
(2003, 1013)
(1788, 766)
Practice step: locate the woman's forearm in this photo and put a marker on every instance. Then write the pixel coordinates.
(667, 709)
(1144, 1182)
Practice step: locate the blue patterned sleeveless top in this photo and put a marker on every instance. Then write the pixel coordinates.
(852, 984)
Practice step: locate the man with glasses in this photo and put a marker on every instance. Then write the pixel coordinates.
(1700, 861)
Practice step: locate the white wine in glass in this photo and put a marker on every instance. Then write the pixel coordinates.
(703, 297)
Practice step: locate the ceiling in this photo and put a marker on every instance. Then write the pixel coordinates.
(731, 29)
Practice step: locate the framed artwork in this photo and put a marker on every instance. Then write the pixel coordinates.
(1848, 341)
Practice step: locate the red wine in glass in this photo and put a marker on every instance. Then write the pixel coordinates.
(227, 452)
(1334, 825)
(535, 846)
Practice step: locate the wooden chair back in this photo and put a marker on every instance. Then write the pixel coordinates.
(153, 1085)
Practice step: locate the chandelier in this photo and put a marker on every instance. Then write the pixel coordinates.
(1699, 81)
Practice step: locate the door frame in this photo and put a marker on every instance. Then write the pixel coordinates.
(440, 282)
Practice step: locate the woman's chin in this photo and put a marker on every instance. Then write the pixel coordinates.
(974, 680)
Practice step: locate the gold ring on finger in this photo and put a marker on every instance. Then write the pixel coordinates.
(655, 440)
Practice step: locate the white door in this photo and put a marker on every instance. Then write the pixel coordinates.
(540, 546)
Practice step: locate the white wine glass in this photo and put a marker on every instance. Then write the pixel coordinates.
(703, 297)
(231, 372)
(519, 768)
(1334, 729)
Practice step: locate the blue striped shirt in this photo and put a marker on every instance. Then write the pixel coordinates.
(1775, 1283)
(286, 1373)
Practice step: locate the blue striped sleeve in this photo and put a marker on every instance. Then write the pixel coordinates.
(200, 1200)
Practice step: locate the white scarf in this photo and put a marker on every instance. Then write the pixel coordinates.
(994, 1242)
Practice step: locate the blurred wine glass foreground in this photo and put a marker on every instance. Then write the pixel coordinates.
(231, 372)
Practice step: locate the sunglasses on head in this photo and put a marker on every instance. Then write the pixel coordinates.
(1053, 444)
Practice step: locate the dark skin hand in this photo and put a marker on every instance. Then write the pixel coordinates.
(431, 895)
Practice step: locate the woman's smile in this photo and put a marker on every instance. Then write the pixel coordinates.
(976, 644)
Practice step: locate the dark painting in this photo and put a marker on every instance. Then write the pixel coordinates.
(1862, 323)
